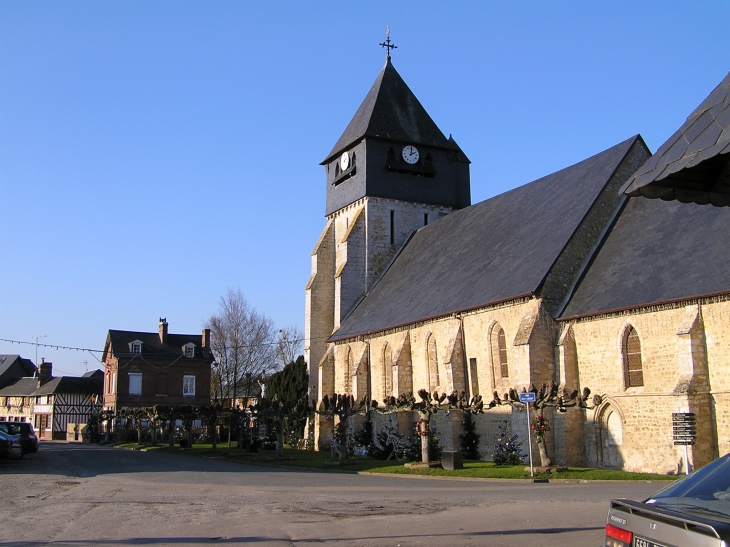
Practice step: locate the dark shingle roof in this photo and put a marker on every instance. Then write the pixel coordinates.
(7, 361)
(391, 111)
(151, 345)
(20, 388)
(62, 384)
(71, 384)
(499, 249)
(656, 252)
(692, 166)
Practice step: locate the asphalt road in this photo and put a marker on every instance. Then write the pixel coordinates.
(81, 495)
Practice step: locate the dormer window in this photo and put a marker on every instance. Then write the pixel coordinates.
(189, 350)
(135, 347)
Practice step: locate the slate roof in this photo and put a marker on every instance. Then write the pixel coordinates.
(21, 387)
(151, 345)
(391, 111)
(692, 166)
(656, 252)
(7, 361)
(495, 250)
(71, 384)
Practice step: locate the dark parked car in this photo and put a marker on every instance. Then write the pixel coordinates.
(10, 446)
(694, 511)
(28, 438)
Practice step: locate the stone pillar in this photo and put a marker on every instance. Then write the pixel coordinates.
(451, 454)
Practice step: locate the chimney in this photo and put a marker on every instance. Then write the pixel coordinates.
(206, 338)
(163, 330)
(45, 371)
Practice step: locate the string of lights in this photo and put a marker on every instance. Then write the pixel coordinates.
(92, 351)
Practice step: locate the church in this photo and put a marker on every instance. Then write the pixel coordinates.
(611, 274)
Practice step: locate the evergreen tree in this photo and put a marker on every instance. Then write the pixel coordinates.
(470, 438)
(508, 450)
(364, 436)
(289, 384)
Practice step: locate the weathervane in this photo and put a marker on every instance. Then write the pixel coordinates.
(387, 45)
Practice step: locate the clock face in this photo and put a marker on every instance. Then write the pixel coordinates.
(410, 154)
(344, 161)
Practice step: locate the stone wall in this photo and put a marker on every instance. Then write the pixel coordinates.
(685, 369)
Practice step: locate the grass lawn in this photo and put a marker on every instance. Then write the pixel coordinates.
(318, 460)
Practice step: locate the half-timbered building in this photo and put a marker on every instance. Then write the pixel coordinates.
(51, 404)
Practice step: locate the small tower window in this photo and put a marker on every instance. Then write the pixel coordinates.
(425, 219)
(392, 227)
(189, 350)
(136, 347)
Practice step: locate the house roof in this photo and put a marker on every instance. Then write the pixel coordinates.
(656, 252)
(71, 384)
(496, 250)
(20, 388)
(391, 111)
(7, 361)
(61, 384)
(694, 164)
(118, 341)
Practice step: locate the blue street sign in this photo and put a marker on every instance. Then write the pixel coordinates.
(528, 397)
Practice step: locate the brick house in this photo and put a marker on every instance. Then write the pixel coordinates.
(142, 369)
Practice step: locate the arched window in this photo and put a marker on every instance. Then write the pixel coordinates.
(634, 375)
(433, 363)
(499, 353)
(387, 370)
(349, 371)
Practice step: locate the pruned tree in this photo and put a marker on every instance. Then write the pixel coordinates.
(281, 412)
(343, 407)
(547, 396)
(426, 407)
(244, 344)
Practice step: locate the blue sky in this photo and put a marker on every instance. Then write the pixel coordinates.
(154, 154)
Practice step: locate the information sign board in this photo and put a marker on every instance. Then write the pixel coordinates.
(528, 397)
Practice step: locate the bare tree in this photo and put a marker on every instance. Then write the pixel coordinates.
(289, 345)
(244, 344)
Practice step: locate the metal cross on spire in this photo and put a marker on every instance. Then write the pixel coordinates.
(387, 45)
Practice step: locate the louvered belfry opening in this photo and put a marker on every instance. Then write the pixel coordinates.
(634, 372)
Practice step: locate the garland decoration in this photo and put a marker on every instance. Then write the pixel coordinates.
(422, 427)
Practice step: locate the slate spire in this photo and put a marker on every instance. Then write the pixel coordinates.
(391, 111)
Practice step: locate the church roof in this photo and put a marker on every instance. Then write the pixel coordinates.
(656, 252)
(692, 166)
(391, 111)
(496, 250)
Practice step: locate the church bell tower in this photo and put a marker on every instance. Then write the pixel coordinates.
(390, 173)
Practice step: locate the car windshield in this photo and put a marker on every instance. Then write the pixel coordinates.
(706, 492)
(12, 429)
